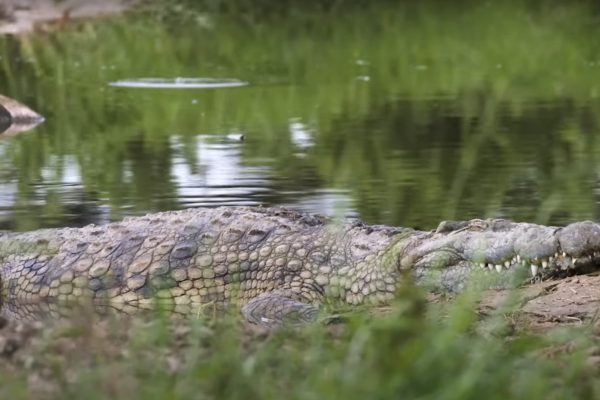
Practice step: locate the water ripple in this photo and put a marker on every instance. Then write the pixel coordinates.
(179, 83)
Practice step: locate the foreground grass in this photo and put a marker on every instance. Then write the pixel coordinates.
(409, 351)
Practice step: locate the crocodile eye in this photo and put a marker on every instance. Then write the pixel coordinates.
(256, 235)
(208, 238)
(450, 226)
(283, 229)
(183, 251)
(232, 235)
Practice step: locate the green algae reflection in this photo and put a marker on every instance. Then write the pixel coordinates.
(401, 114)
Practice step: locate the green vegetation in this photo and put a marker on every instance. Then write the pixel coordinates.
(410, 351)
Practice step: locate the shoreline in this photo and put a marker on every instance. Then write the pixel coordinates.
(25, 16)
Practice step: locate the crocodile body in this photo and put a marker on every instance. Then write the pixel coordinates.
(276, 264)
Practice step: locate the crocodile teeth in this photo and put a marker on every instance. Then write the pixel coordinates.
(534, 270)
(557, 261)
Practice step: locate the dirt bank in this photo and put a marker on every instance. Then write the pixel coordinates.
(22, 16)
(571, 301)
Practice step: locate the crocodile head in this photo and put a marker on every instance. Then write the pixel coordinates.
(502, 252)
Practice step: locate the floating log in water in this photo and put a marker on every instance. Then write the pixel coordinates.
(16, 117)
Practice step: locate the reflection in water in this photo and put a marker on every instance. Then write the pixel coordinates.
(301, 135)
(330, 202)
(216, 174)
(452, 123)
(62, 171)
(222, 177)
(7, 197)
(59, 181)
(405, 162)
(414, 162)
(179, 83)
(219, 177)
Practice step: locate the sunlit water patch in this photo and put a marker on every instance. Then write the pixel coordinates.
(219, 176)
(179, 83)
(327, 201)
(300, 134)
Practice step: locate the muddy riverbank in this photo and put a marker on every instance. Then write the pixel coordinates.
(23, 16)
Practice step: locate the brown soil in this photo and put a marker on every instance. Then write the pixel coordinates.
(22, 16)
(539, 307)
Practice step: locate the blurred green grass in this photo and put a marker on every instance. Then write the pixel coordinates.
(413, 350)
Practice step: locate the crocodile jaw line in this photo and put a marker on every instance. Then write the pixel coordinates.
(542, 266)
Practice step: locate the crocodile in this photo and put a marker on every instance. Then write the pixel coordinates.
(16, 117)
(276, 264)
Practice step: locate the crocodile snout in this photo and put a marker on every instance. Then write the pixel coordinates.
(580, 238)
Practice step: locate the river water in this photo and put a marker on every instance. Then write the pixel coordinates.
(403, 115)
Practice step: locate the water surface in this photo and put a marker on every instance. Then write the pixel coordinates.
(397, 114)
